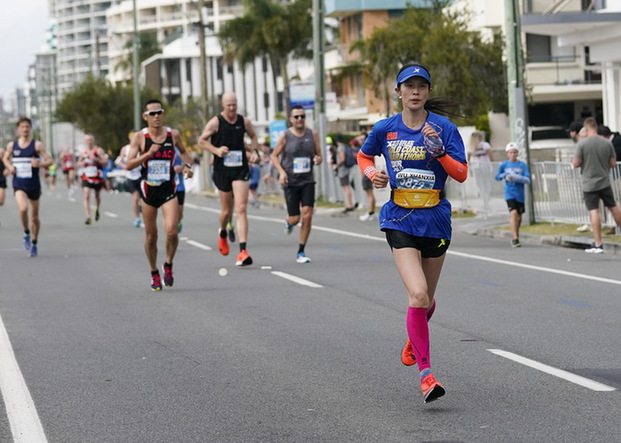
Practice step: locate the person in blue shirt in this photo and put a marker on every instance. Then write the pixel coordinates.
(515, 174)
(178, 166)
(422, 148)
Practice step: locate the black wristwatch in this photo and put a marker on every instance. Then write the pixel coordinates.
(187, 165)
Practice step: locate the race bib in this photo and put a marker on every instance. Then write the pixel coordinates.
(158, 171)
(301, 165)
(415, 179)
(233, 159)
(23, 167)
(91, 171)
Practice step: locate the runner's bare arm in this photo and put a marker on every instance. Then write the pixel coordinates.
(136, 157)
(204, 141)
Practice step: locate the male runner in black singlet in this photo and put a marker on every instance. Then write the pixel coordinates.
(223, 136)
(153, 149)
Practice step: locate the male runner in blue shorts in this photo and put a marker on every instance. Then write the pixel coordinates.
(23, 159)
(153, 148)
(223, 136)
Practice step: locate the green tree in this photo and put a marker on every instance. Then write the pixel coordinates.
(463, 66)
(95, 106)
(147, 47)
(272, 29)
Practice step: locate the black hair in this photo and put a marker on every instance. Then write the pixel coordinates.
(293, 108)
(437, 105)
(150, 102)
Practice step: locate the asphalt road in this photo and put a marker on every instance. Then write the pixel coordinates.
(287, 352)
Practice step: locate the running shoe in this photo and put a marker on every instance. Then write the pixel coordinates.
(33, 251)
(367, 217)
(156, 282)
(27, 242)
(595, 249)
(407, 356)
(243, 259)
(168, 275)
(432, 390)
(97, 214)
(137, 223)
(302, 258)
(288, 227)
(223, 245)
(179, 227)
(515, 243)
(231, 232)
(87, 221)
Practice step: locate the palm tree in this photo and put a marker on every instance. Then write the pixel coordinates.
(269, 28)
(147, 47)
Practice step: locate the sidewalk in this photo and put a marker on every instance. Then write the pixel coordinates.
(490, 225)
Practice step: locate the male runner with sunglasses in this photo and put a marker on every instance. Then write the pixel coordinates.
(294, 156)
(153, 149)
(223, 136)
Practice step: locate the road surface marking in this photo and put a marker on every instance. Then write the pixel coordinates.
(111, 214)
(198, 245)
(451, 252)
(536, 268)
(573, 378)
(25, 424)
(297, 280)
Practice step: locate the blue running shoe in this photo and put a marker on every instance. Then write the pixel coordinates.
(33, 251)
(302, 258)
(27, 242)
(288, 227)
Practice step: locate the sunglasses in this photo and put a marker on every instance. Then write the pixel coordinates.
(154, 112)
(299, 116)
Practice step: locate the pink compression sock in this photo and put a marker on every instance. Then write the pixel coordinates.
(418, 331)
(431, 310)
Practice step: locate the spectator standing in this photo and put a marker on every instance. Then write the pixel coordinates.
(613, 137)
(480, 163)
(345, 159)
(595, 156)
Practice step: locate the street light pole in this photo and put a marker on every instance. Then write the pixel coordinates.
(320, 93)
(202, 58)
(136, 62)
(518, 115)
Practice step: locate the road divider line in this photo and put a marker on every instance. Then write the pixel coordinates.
(565, 375)
(536, 268)
(198, 245)
(111, 214)
(21, 411)
(298, 280)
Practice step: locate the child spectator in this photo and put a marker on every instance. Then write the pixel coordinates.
(515, 174)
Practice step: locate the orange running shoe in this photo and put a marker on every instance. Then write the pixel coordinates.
(432, 390)
(243, 259)
(223, 245)
(407, 356)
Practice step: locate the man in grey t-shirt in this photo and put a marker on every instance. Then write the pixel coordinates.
(595, 156)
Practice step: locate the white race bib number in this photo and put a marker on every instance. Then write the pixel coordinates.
(159, 171)
(233, 159)
(301, 165)
(415, 179)
(23, 167)
(91, 171)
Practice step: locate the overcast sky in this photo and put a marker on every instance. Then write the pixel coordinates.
(22, 35)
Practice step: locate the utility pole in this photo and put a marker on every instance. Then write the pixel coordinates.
(136, 67)
(318, 62)
(518, 115)
(202, 58)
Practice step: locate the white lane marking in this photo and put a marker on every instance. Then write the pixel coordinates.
(537, 268)
(573, 378)
(297, 280)
(21, 411)
(198, 245)
(451, 252)
(111, 214)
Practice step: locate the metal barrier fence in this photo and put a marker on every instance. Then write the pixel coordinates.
(557, 192)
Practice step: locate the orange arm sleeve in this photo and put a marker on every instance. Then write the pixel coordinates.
(366, 163)
(455, 169)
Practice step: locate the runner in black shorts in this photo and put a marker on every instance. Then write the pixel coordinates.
(223, 136)
(297, 151)
(153, 149)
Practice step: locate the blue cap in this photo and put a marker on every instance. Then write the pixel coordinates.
(413, 71)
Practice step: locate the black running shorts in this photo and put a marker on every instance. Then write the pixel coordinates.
(428, 247)
(297, 196)
(156, 196)
(224, 179)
